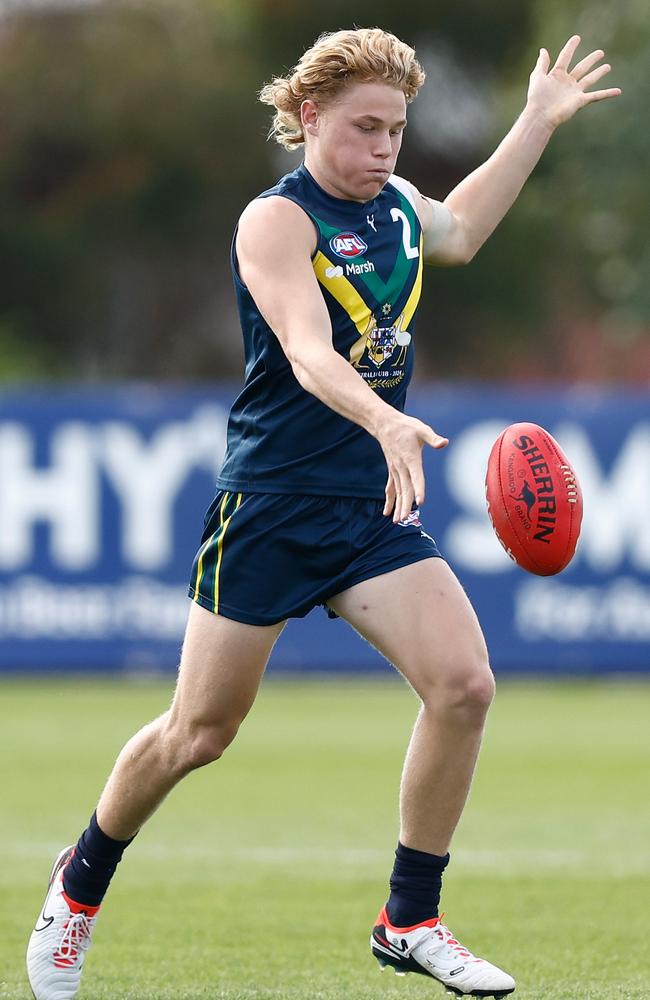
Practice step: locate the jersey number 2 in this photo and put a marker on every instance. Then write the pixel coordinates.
(397, 215)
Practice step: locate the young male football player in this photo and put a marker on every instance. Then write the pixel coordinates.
(318, 496)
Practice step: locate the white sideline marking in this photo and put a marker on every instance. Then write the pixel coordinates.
(504, 862)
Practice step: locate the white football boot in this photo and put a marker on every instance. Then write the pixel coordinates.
(430, 948)
(60, 939)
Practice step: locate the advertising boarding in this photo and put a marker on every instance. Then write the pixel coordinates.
(103, 493)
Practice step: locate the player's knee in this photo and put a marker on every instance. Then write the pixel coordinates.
(207, 744)
(190, 745)
(471, 691)
(465, 688)
(480, 689)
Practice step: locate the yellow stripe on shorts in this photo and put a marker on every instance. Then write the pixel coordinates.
(222, 535)
(204, 548)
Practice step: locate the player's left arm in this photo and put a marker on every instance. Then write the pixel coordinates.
(455, 229)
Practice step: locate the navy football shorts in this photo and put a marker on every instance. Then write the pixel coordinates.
(265, 557)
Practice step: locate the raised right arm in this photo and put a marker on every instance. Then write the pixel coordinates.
(275, 242)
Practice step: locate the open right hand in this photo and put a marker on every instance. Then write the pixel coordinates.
(402, 440)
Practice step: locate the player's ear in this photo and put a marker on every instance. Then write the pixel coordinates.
(310, 116)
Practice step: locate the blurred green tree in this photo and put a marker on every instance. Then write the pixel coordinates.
(131, 139)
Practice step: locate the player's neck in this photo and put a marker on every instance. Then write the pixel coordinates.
(326, 182)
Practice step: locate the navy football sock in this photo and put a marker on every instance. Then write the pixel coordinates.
(87, 876)
(415, 886)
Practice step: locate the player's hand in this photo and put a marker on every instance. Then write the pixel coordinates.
(557, 93)
(402, 440)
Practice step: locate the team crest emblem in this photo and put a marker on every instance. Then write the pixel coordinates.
(348, 245)
(382, 347)
(381, 343)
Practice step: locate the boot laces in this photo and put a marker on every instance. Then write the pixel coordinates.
(442, 937)
(75, 940)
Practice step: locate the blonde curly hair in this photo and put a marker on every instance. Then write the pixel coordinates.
(361, 55)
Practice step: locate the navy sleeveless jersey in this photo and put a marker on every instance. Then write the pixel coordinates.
(368, 261)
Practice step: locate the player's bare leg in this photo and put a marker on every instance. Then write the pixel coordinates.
(420, 619)
(221, 667)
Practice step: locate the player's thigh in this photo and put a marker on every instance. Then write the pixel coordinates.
(221, 667)
(420, 618)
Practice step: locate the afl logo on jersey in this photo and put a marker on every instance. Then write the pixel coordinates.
(348, 245)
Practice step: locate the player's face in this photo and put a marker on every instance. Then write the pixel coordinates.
(352, 143)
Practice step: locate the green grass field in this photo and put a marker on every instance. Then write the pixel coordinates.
(261, 875)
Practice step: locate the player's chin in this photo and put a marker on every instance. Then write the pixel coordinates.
(372, 182)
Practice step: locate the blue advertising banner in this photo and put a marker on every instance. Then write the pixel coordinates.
(103, 492)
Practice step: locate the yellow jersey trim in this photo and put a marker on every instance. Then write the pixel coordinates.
(343, 291)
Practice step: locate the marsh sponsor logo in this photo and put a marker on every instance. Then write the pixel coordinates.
(364, 268)
(337, 272)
